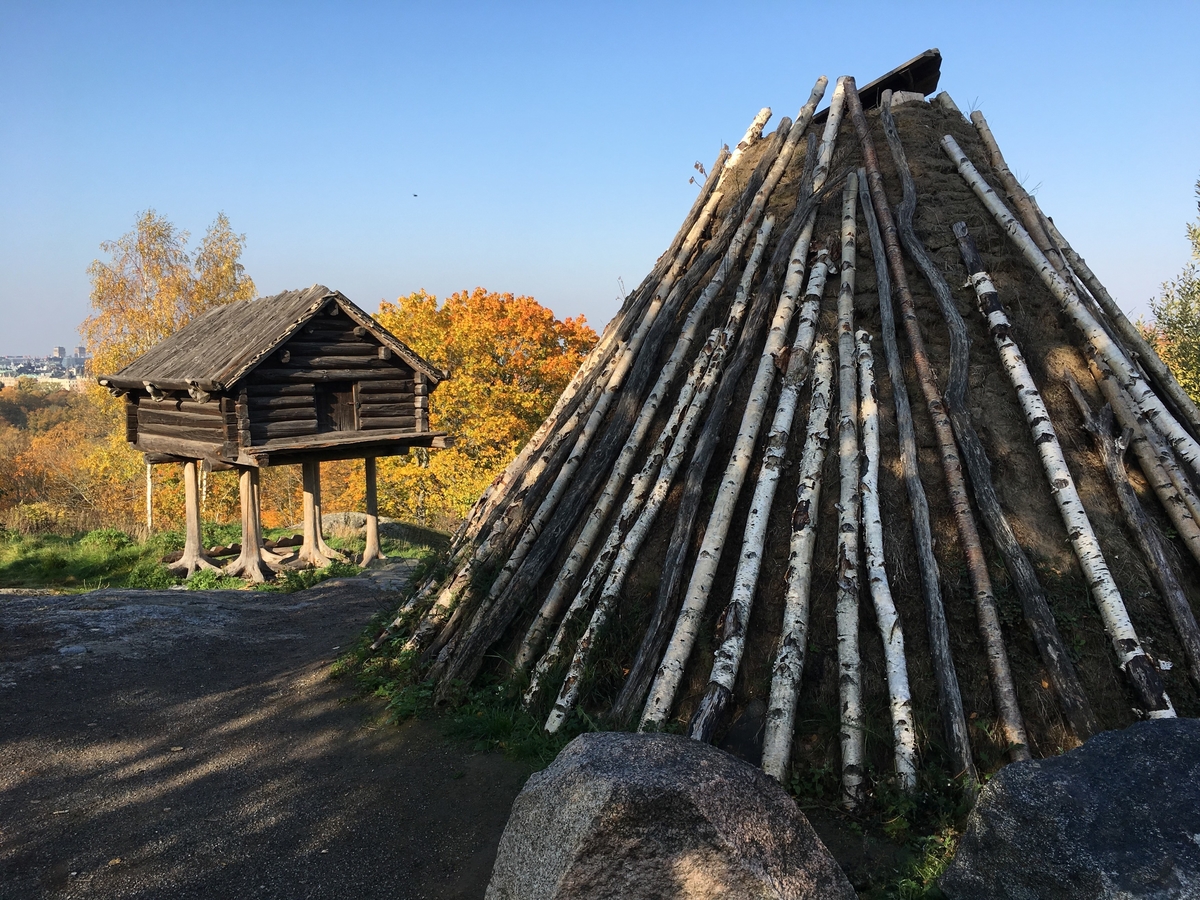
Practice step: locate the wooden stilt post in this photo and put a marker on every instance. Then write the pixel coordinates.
(372, 550)
(193, 548)
(314, 551)
(250, 564)
(149, 501)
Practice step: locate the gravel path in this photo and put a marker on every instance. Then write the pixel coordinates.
(190, 744)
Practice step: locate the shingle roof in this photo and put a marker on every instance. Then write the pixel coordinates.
(216, 350)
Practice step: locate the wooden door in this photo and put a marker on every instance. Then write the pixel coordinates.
(335, 406)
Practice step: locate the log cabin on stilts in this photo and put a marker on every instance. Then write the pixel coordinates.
(824, 479)
(299, 378)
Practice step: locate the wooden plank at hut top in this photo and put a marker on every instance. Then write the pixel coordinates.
(919, 75)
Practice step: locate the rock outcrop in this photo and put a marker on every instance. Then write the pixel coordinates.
(1117, 817)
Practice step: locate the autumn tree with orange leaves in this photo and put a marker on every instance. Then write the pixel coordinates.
(508, 359)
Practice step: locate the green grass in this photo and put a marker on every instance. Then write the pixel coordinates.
(109, 558)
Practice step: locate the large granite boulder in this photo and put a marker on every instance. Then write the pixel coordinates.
(1117, 817)
(636, 816)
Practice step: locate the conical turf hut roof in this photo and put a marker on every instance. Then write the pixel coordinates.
(462, 628)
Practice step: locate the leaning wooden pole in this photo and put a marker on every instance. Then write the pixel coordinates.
(1138, 667)
(583, 471)
(1159, 562)
(661, 699)
(852, 738)
(788, 666)
(1069, 264)
(904, 736)
(743, 349)
(954, 720)
(1098, 339)
(727, 659)
(1003, 689)
(1061, 672)
(1072, 699)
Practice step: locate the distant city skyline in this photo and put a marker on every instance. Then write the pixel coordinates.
(542, 150)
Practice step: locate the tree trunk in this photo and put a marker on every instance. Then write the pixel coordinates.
(788, 666)
(890, 630)
(954, 721)
(1003, 689)
(670, 672)
(1147, 401)
(314, 551)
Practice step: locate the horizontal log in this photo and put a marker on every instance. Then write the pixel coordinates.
(375, 410)
(287, 414)
(339, 361)
(281, 429)
(169, 416)
(277, 390)
(188, 406)
(389, 397)
(176, 446)
(322, 375)
(331, 348)
(367, 423)
(187, 433)
(402, 386)
(286, 402)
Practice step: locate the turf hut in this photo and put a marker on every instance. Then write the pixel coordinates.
(298, 378)
(870, 468)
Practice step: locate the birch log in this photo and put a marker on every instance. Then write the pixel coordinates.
(506, 527)
(851, 734)
(689, 405)
(1072, 699)
(1060, 671)
(1157, 460)
(1068, 264)
(670, 672)
(728, 657)
(788, 665)
(1099, 341)
(954, 720)
(598, 517)
(1003, 689)
(1142, 673)
(629, 701)
(543, 537)
(1159, 562)
(904, 737)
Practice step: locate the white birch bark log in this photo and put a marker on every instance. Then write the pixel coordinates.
(890, 630)
(694, 393)
(849, 499)
(1083, 539)
(1154, 409)
(666, 682)
(788, 666)
(1157, 462)
(551, 608)
(598, 517)
(727, 659)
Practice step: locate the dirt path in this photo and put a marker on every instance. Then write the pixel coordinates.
(185, 744)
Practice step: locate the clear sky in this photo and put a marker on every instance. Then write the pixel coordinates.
(548, 146)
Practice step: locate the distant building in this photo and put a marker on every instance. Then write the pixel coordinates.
(58, 352)
(80, 352)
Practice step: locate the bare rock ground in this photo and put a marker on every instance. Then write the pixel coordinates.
(191, 744)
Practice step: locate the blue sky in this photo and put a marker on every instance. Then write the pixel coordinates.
(549, 145)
